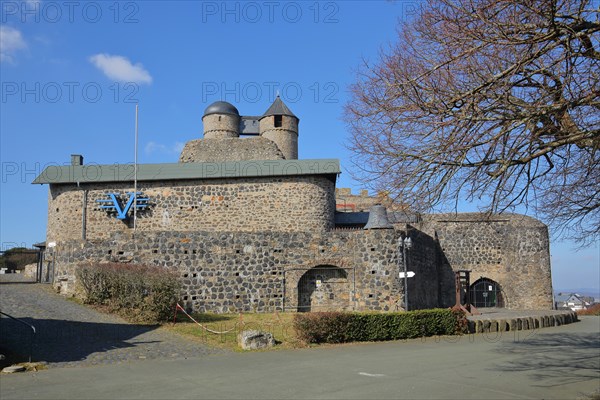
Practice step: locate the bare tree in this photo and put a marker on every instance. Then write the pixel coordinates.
(494, 101)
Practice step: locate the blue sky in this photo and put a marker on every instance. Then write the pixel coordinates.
(67, 69)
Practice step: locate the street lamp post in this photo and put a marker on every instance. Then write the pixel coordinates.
(406, 245)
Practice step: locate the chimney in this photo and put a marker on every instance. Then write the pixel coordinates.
(76, 159)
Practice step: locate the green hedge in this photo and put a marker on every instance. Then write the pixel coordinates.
(340, 327)
(137, 292)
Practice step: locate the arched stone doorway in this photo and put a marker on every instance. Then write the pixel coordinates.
(324, 288)
(486, 293)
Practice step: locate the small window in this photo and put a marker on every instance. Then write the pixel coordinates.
(278, 121)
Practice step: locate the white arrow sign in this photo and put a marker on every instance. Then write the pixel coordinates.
(409, 274)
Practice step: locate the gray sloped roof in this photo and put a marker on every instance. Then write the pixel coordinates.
(279, 108)
(402, 217)
(206, 170)
(356, 218)
(561, 298)
(565, 297)
(351, 218)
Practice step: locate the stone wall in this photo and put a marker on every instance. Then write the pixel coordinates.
(30, 271)
(260, 271)
(230, 149)
(285, 136)
(510, 249)
(346, 201)
(258, 244)
(424, 289)
(219, 126)
(299, 203)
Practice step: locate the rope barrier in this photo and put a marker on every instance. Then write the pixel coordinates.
(178, 307)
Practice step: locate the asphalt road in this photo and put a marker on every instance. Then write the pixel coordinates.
(552, 363)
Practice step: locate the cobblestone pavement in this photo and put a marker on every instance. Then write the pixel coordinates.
(73, 335)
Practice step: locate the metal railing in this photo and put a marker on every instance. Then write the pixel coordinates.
(31, 338)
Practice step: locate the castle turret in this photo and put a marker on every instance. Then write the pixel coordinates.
(280, 125)
(221, 120)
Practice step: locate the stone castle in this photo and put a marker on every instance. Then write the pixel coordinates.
(249, 227)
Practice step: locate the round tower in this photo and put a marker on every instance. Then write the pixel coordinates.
(221, 120)
(280, 125)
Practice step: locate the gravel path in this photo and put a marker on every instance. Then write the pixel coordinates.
(73, 335)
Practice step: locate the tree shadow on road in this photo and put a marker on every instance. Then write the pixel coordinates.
(59, 341)
(555, 359)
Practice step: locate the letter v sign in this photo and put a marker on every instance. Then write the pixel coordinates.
(122, 213)
(113, 204)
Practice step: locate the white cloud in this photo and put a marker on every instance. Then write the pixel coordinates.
(11, 41)
(120, 68)
(153, 147)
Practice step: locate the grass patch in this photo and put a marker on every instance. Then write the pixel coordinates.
(75, 299)
(280, 325)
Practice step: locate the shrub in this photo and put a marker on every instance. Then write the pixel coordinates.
(137, 292)
(462, 323)
(323, 327)
(593, 310)
(339, 327)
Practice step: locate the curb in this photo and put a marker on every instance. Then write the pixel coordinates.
(521, 323)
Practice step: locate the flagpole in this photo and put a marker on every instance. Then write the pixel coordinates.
(135, 168)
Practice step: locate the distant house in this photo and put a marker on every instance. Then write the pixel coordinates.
(572, 301)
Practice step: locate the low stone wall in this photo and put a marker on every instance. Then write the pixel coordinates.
(526, 321)
(30, 271)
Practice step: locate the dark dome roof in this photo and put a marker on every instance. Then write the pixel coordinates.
(221, 107)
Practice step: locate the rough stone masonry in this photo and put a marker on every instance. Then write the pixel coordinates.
(249, 227)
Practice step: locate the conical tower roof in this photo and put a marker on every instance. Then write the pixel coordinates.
(279, 108)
